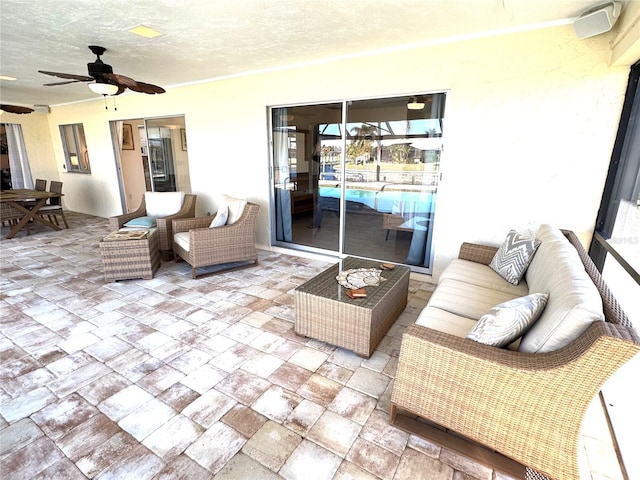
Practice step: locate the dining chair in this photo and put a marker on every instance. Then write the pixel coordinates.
(54, 206)
(10, 215)
(41, 185)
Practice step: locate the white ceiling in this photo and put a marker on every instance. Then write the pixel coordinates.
(207, 39)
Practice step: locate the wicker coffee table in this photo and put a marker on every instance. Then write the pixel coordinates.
(326, 313)
(125, 259)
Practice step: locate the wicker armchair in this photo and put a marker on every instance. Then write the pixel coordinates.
(218, 245)
(163, 224)
(527, 407)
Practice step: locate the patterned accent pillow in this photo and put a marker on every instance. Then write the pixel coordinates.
(513, 257)
(508, 321)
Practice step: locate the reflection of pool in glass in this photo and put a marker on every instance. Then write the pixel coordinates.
(397, 202)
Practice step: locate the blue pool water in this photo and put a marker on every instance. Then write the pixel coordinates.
(381, 201)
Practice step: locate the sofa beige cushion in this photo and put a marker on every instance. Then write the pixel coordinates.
(574, 301)
(444, 321)
(465, 299)
(478, 274)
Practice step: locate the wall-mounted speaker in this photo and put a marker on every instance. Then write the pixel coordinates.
(597, 20)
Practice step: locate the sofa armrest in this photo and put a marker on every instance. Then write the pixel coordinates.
(477, 253)
(164, 224)
(529, 407)
(226, 240)
(118, 221)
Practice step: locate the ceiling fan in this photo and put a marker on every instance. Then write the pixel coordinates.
(105, 82)
(15, 109)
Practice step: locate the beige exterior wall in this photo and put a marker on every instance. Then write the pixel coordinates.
(530, 122)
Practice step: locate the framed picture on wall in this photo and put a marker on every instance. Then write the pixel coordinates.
(183, 138)
(127, 137)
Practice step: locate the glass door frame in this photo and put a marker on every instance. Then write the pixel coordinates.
(427, 265)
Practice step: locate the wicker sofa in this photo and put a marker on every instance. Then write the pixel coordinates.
(520, 412)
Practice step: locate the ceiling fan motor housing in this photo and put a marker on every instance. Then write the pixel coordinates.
(98, 68)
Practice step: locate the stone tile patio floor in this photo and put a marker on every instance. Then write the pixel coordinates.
(175, 378)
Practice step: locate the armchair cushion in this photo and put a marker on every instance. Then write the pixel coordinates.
(235, 207)
(162, 204)
(182, 240)
(144, 222)
(513, 257)
(220, 218)
(506, 322)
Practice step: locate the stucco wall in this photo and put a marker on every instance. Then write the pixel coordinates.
(529, 127)
(38, 143)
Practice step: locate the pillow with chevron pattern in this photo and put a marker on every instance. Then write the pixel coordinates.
(513, 257)
(508, 321)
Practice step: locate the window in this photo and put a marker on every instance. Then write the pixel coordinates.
(359, 177)
(615, 249)
(75, 148)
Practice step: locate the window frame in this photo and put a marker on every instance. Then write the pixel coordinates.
(82, 165)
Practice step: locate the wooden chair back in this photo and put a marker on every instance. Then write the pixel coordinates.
(56, 187)
(41, 185)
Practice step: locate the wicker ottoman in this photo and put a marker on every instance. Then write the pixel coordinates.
(325, 312)
(125, 258)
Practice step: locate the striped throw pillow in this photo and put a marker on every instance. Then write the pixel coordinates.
(508, 321)
(513, 257)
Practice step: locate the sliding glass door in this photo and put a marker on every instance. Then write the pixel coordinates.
(359, 177)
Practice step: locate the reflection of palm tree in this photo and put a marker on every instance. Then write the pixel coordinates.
(399, 153)
(363, 143)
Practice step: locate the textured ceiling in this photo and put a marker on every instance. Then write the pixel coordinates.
(206, 39)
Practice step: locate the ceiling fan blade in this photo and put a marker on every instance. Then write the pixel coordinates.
(147, 88)
(60, 83)
(69, 76)
(120, 79)
(15, 109)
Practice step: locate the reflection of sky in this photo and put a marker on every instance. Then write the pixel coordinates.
(421, 126)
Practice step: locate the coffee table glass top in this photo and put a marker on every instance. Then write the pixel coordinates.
(325, 284)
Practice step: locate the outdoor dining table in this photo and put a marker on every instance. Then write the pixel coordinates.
(18, 199)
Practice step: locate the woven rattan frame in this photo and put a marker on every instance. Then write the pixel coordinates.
(129, 259)
(164, 225)
(326, 313)
(528, 407)
(219, 245)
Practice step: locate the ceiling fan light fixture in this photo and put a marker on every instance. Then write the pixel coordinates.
(103, 88)
(414, 104)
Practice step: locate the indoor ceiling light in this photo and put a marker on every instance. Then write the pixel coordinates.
(7, 77)
(414, 104)
(145, 31)
(103, 88)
